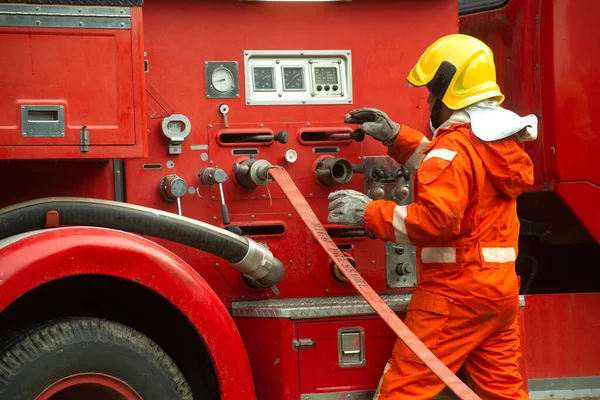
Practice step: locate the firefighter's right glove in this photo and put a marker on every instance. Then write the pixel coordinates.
(375, 123)
(347, 207)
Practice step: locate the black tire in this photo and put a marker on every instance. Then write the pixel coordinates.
(57, 349)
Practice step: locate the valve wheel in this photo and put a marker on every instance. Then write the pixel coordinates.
(90, 386)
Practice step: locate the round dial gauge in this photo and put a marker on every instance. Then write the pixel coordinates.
(263, 79)
(222, 80)
(293, 78)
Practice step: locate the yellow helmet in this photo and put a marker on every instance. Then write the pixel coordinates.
(459, 70)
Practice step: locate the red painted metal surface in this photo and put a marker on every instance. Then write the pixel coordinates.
(384, 49)
(583, 199)
(562, 335)
(101, 86)
(31, 180)
(119, 390)
(274, 360)
(64, 252)
(514, 36)
(569, 67)
(381, 308)
(319, 368)
(546, 67)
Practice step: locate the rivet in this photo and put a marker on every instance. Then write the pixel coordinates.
(121, 11)
(216, 264)
(81, 24)
(289, 215)
(215, 217)
(252, 217)
(309, 265)
(122, 24)
(210, 126)
(37, 9)
(372, 261)
(37, 22)
(310, 195)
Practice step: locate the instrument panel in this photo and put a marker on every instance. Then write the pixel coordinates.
(298, 77)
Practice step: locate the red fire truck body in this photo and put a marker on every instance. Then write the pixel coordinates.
(170, 105)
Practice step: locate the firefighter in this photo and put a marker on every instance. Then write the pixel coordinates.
(462, 221)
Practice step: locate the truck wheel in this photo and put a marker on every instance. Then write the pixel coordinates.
(88, 358)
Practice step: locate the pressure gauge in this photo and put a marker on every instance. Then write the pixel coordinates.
(222, 80)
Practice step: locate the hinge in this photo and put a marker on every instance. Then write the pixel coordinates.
(146, 63)
(301, 343)
(84, 139)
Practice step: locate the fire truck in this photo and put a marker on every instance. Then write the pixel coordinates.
(145, 251)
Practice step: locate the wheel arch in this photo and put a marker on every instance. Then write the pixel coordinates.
(132, 280)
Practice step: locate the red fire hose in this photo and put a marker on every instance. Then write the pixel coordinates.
(385, 312)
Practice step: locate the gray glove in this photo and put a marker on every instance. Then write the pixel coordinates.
(375, 123)
(347, 207)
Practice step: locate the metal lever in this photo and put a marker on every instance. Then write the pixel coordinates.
(358, 135)
(215, 176)
(179, 205)
(224, 109)
(224, 210)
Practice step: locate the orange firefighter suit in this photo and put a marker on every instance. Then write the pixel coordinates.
(464, 225)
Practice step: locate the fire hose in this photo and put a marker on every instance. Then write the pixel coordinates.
(299, 203)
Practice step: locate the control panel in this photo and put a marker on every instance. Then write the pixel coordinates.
(298, 77)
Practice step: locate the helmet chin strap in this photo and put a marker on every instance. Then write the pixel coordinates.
(435, 116)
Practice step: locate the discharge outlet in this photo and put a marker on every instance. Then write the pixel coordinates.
(252, 173)
(334, 171)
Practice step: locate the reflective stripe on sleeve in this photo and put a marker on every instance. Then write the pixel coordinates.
(413, 162)
(399, 225)
(444, 154)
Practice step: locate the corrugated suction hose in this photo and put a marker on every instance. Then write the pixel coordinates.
(253, 260)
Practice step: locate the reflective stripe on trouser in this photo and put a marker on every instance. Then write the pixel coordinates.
(482, 336)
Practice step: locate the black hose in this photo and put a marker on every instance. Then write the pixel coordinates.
(31, 215)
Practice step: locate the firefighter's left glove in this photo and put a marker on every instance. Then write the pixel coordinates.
(347, 207)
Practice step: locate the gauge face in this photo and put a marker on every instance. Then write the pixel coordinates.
(293, 78)
(222, 80)
(263, 79)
